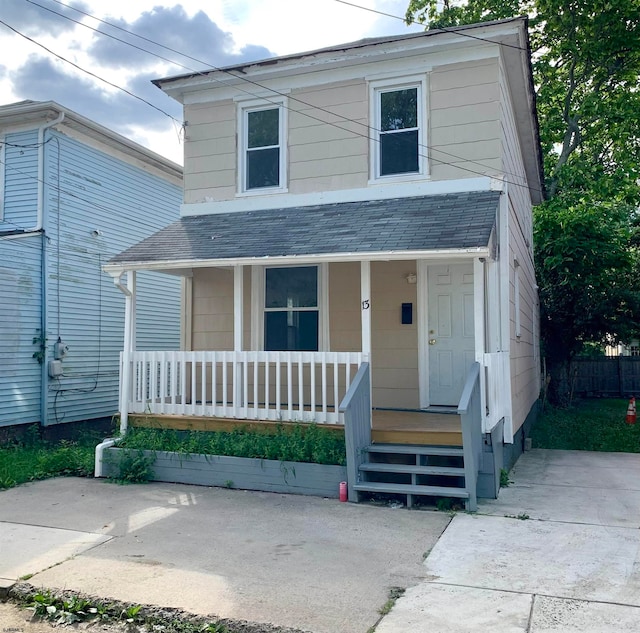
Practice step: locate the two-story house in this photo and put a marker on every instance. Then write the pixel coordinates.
(357, 226)
(73, 194)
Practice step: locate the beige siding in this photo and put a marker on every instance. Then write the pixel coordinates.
(464, 121)
(525, 369)
(210, 164)
(394, 346)
(212, 317)
(345, 331)
(323, 156)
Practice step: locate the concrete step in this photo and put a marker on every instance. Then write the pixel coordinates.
(416, 449)
(380, 467)
(410, 489)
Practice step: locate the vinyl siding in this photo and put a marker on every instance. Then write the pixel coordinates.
(19, 323)
(525, 369)
(20, 171)
(86, 190)
(464, 139)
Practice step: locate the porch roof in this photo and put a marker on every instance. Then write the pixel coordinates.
(455, 222)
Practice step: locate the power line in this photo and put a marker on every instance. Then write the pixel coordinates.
(88, 72)
(235, 76)
(448, 29)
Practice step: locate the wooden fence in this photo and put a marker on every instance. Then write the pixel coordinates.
(611, 376)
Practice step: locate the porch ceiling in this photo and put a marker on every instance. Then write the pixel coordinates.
(453, 222)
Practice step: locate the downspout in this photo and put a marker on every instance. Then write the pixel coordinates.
(44, 376)
(124, 381)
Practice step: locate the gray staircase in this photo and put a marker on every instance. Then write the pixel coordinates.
(413, 470)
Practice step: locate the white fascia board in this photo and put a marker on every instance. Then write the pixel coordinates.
(452, 254)
(387, 191)
(219, 88)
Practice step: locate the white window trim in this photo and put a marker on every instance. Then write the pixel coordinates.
(258, 283)
(244, 107)
(388, 85)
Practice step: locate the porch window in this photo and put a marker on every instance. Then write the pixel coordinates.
(291, 315)
(262, 133)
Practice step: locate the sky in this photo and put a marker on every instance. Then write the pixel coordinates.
(214, 32)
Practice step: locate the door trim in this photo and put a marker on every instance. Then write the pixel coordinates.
(423, 328)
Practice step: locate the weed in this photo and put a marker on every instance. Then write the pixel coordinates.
(32, 459)
(228, 483)
(134, 467)
(394, 594)
(287, 443)
(504, 478)
(445, 504)
(523, 516)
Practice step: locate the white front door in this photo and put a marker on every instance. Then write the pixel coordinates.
(450, 333)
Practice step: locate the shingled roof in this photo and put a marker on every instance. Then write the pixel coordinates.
(451, 221)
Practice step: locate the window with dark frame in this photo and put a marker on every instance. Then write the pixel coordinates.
(291, 314)
(399, 131)
(262, 157)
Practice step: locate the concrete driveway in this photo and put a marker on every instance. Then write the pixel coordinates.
(303, 562)
(558, 552)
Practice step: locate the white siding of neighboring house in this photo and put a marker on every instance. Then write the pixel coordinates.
(525, 369)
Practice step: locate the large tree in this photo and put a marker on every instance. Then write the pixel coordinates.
(586, 67)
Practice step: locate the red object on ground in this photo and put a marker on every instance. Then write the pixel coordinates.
(631, 411)
(343, 491)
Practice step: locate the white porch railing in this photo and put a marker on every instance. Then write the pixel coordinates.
(496, 389)
(279, 386)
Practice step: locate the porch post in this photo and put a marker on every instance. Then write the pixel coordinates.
(365, 297)
(479, 304)
(238, 313)
(128, 348)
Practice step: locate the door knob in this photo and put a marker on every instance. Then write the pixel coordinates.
(432, 341)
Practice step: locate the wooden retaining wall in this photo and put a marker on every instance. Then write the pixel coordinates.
(318, 480)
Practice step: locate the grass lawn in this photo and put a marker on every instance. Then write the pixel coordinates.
(33, 459)
(590, 425)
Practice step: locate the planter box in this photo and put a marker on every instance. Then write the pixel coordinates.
(237, 472)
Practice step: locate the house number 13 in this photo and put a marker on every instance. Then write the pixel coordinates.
(365, 304)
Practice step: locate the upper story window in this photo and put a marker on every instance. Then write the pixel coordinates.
(262, 160)
(398, 121)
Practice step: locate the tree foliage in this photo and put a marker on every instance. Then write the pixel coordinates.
(586, 68)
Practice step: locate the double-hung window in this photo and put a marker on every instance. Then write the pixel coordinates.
(398, 114)
(262, 164)
(291, 309)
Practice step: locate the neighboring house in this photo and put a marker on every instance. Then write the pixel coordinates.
(72, 194)
(361, 208)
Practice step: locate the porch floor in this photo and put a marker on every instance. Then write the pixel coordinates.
(389, 426)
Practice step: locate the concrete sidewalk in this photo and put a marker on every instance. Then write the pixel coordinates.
(559, 551)
(303, 562)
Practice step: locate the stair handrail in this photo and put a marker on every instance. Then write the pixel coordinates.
(356, 409)
(470, 412)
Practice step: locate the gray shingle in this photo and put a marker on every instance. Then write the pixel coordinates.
(452, 221)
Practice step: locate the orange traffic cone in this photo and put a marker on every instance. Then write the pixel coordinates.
(631, 411)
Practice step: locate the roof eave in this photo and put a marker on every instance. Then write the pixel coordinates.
(117, 268)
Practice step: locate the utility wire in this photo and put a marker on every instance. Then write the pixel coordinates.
(448, 29)
(88, 72)
(235, 76)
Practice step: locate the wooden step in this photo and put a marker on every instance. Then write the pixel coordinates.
(415, 449)
(410, 489)
(381, 467)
